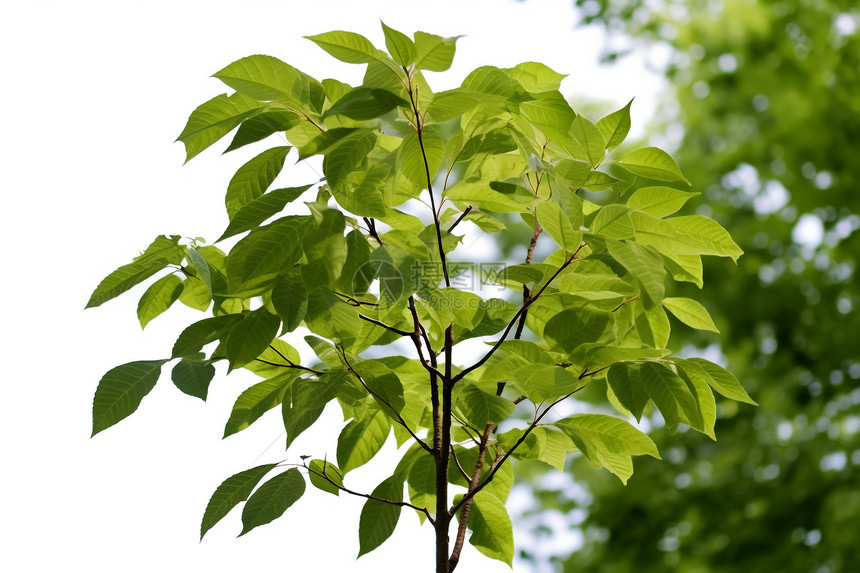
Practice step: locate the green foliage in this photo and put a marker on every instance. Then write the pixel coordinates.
(358, 271)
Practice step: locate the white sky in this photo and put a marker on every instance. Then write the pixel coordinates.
(93, 95)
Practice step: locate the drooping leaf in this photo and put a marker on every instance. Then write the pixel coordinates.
(347, 156)
(378, 519)
(193, 377)
(492, 530)
(120, 391)
(559, 226)
(624, 379)
(232, 491)
(196, 336)
(481, 408)
(308, 400)
(717, 378)
(328, 315)
(272, 499)
(412, 154)
(362, 439)
(590, 139)
(250, 336)
(158, 298)
(645, 266)
(290, 299)
(575, 326)
(257, 400)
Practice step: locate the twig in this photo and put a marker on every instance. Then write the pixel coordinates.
(373, 497)
(460, 218)
(522, 309)
(499, 461)
(385, 326)
(384, 401)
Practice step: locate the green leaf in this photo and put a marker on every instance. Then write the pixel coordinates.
(158, 298)
(290, 299)
(608, 441)
(263, 78)
(399, 45)
(671, 396)
(708, 236)
(481, 195)
(613, 221)
(536, 77)
(265, 253)
(161, 252)
(257, 400)
(193, 377)
(645, 266)
(250, 336)
(366, 103)
(453, 103)
(252, 214)
(216, 118)
(433, 53)
(412, 156)
(653, 163)
(575, 326)
(492, 530)
(615, 126)
(550, 113)
(232, 491)
(557, 223)
(120, 391)
(323, 143)
(347, 156)
(254, 177)
(196, 336)
(481, 408)
(591, 140)
(362, 439)
(309, 398)
(261, 126)
(717, 378)
(329, 316)
(378, 519)
(347, 46)
(272, 499)
(659, 201)
(323, 473)
(625, 384)
(691, 313)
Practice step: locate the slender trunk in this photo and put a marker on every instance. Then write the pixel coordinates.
(443, 455)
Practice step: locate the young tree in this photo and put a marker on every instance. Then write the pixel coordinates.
(373, 260)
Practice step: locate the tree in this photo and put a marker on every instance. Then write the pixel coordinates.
(372, 262)
(765, 96)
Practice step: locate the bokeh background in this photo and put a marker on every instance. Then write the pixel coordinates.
(759, 101)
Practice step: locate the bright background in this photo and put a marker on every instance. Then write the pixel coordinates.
(93, 94)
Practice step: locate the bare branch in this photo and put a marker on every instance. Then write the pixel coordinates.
(385, 326)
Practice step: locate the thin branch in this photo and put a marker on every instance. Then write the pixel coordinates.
(499, 461)
(459, 465)
(467, 507)
(385, 326)
(289, 364)
(419, 128)
(514, 320)
(354, 301)
(625, 302)
(460, 218)
(400, 419)
(373, 497)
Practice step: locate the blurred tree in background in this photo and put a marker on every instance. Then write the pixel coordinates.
(764, 111)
